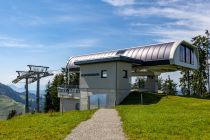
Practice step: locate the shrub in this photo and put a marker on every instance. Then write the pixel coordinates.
(11, 114)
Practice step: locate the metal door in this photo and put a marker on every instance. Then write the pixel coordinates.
(98, 101)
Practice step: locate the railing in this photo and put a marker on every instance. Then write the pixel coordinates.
(72, 91)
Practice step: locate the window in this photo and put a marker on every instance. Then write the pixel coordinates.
(182, 54)
(192, 57)
(125, 74)
(104, 74)
(186, 55)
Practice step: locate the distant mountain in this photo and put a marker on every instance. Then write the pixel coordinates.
(7, 104)
(42, 92)
(11, 99)
(15, 88)
(18, 89)
(32, 100)
(8, 91)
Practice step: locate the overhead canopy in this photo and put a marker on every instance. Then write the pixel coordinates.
(149, 55)
(110, 59)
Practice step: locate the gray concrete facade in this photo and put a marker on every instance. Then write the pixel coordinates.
(69, 104)
(115, 85)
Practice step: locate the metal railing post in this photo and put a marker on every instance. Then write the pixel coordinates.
(141, 98)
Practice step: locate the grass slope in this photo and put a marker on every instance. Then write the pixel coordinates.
(42, 126)
(171, 118)
(7, 104)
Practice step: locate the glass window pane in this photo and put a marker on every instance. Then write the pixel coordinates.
(104, 74)
(192, 56)
(125, 74)
(182, 54)
(188, 55)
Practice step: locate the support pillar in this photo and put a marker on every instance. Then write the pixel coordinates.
(37, 93)
(26, 102)
(152, 83)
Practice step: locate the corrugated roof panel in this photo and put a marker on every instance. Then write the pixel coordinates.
(155, 53)
(138, 56)
(130, 53)
(126, 52)
(161, 52)
(112, 54)
(145, 53)
(149, 54)
(167, 51)
(135, 52)
(108, 54)
(94, 56)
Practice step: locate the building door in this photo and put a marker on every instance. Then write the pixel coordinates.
(98, 101)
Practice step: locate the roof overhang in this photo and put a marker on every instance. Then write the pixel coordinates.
(110, 59)
(156, 55)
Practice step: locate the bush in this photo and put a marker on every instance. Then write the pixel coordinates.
(11, 114)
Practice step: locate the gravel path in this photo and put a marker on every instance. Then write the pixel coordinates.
(104, 125)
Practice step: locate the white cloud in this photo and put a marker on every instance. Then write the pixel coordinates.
(140, 24)
(9, 42)
(64, 18)
(180, 20)
(119, 2)
(165, 35)
(80, 44)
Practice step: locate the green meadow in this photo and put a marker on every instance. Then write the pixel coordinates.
(165, 117)
(160, 117)
(50, 126)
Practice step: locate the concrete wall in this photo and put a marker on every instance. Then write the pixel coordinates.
(115, 86)
(123, 84)
(96, 81)
(68, 104)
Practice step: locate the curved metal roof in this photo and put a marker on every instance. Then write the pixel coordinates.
(149, 54)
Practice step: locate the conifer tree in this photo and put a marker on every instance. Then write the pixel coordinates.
(199, 80)
(48, 101)
(169, 87)
(52, 102)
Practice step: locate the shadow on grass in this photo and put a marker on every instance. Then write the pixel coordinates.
(134, 98)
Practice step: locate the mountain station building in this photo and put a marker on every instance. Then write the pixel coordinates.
(105, 77)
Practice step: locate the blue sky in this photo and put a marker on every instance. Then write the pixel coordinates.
(48, 32)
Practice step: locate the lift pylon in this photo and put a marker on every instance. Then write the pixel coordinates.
(35, 73)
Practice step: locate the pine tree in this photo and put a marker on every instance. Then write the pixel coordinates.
(48, 101)
(185, 82)
(199, 80)
(57, 81)
(52, 102)
(169, 87)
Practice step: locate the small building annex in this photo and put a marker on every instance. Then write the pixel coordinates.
(105, 77)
